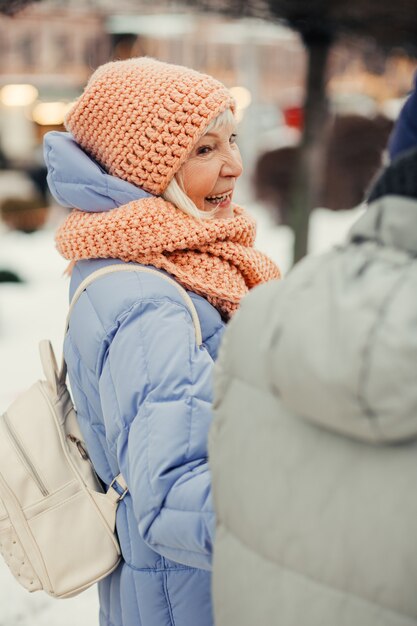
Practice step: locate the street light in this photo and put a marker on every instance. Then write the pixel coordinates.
(18, 95)
(243, 98)
(50, 113)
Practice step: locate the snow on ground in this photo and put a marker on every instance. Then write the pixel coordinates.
(36, 310)
(30, 312)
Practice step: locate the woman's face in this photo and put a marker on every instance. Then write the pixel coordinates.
(209, 175)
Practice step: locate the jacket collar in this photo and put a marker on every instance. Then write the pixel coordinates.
(77, 181)
(389, 221)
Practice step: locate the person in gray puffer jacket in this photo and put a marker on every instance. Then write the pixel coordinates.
(313, 449)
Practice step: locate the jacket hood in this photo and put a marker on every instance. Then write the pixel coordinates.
(342, 347)
(78, 181)
(390, 222)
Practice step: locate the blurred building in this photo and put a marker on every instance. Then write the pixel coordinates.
(48, 51)
(52, 46)
(46, 55)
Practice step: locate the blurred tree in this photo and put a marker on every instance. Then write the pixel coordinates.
(353, 155)
(10, 7)
(319, 24)
(24, 215)
(353, 152)
(9, 276)
(272, 180)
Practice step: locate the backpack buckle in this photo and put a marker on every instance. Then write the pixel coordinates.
(115, 486)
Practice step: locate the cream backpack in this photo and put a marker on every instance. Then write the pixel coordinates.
(57, 524)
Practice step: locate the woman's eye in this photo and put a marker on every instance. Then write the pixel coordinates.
(203, 149)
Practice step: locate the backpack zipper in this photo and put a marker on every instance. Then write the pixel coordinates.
(24, 457)
(82, 450)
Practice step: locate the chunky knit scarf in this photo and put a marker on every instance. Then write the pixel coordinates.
(214, 258)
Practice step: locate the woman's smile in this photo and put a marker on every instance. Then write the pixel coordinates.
(221, 200)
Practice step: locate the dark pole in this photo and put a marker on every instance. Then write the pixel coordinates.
(308, 172)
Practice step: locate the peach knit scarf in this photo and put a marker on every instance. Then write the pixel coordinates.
(214, 258)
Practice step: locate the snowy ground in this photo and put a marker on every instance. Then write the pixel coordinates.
(36, 310)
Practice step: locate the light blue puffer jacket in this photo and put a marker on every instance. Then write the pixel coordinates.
(143, 392)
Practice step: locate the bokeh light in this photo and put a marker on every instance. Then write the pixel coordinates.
(18, 95)
(50, 113)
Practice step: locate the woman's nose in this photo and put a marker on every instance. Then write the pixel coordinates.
(232, 165)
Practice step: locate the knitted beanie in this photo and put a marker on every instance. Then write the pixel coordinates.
(398, 179)
(141, 118)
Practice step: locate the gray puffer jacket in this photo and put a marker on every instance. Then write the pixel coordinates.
(314, 444)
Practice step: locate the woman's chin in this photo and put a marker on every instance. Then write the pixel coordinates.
(224, 214)
(222, 211)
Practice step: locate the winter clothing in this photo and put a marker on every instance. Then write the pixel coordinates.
(141, 385)
(404, 134)
(214, 258)
(314, 391)
(76, 181)
(399, 178)
(143, 394)
(140, 118)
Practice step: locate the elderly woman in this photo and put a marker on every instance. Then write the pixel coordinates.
(141, 383)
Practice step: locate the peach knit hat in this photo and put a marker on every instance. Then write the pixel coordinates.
(140, 118)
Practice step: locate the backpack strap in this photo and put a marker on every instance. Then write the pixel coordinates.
(111, 269)
(118, 487)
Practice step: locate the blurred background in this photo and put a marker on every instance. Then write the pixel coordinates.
(266, 55)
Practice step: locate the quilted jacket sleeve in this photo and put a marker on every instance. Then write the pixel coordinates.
(162, 395)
